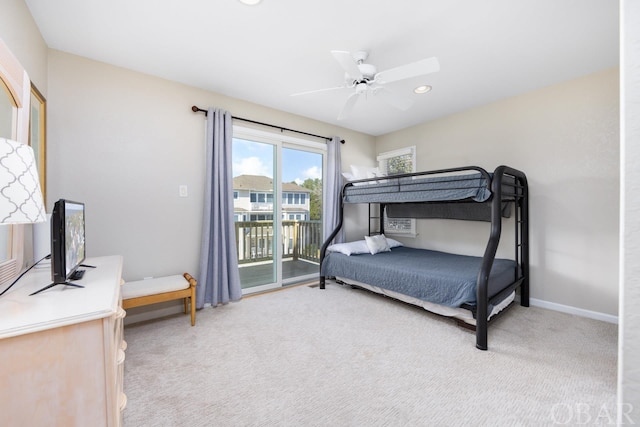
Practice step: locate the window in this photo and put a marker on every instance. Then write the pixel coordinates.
(394, 163)
(235, 195)
(398, 161)
(294, 198)
(261, 217)
(260, 197)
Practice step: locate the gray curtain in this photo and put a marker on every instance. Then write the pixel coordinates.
(332, 189)
(219, 280)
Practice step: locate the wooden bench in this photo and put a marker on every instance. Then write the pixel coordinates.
(161, 289)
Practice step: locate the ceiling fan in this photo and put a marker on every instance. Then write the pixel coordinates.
(364, 79)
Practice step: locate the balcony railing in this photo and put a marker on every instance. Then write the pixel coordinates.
(261, 207)
(300, 240)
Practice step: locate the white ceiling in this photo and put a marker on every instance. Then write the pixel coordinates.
(488, 50)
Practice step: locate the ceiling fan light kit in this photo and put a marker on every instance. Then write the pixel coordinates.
(364, 79)
(361, 88)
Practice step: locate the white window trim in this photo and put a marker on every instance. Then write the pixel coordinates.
(399, 152)
(388, 227)
(271, 137)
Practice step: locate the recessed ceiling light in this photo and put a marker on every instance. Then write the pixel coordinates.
(422, 89)
(250, 2)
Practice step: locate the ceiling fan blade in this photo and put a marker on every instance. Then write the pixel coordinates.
(346, 61)
(329, 89)
(348, 106)
(394, 99)
(414, 69)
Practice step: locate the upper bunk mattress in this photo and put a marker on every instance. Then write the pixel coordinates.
(437, 277)
(419, 189)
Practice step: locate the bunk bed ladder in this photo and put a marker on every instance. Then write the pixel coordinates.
(524, 241)
(521, 244)
(376, 218)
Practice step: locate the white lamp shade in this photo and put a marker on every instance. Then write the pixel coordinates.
(20, 194)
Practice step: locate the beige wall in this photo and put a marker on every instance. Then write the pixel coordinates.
(21, 35)
(123, 142)
(566, 139)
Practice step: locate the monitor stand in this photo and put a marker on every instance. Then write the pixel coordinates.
(54, 284)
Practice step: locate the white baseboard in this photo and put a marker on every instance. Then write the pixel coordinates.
(609, 318)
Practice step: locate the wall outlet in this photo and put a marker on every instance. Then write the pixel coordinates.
(184, 191)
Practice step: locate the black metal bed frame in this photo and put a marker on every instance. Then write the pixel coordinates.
(503, 176)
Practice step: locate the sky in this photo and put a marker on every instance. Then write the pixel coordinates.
(255, 158)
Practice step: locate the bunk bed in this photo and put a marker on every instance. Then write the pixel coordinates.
(471, 288)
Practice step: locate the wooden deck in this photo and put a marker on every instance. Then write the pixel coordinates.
(262, 273)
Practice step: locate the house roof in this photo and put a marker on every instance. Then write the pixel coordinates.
(264, 183)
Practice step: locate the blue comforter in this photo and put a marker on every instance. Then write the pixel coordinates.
(437, 277)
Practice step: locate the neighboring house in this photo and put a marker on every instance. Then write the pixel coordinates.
(253, 199)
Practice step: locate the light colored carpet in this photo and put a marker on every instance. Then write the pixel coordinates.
(344, 357)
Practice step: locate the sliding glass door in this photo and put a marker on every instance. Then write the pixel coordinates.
(277, 193)
(301, 213)
(255, 211)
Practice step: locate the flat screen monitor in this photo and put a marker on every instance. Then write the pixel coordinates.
(67, 239)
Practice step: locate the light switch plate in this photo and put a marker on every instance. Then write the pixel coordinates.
(184, 191)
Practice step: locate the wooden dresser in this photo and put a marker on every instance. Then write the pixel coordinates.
(62, 351)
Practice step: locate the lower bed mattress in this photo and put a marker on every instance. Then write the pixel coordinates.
(430, 276)
(459, 313)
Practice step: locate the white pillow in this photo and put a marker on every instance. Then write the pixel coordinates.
(351, 248)
(361, 172)
(359, 247)
(377, 244)
(348, 176)
(393, 243)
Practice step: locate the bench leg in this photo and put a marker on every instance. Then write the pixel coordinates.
(193, 306)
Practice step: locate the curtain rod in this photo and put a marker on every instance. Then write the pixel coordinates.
(200, 110)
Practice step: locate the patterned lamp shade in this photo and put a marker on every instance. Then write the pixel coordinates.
(20, 194)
